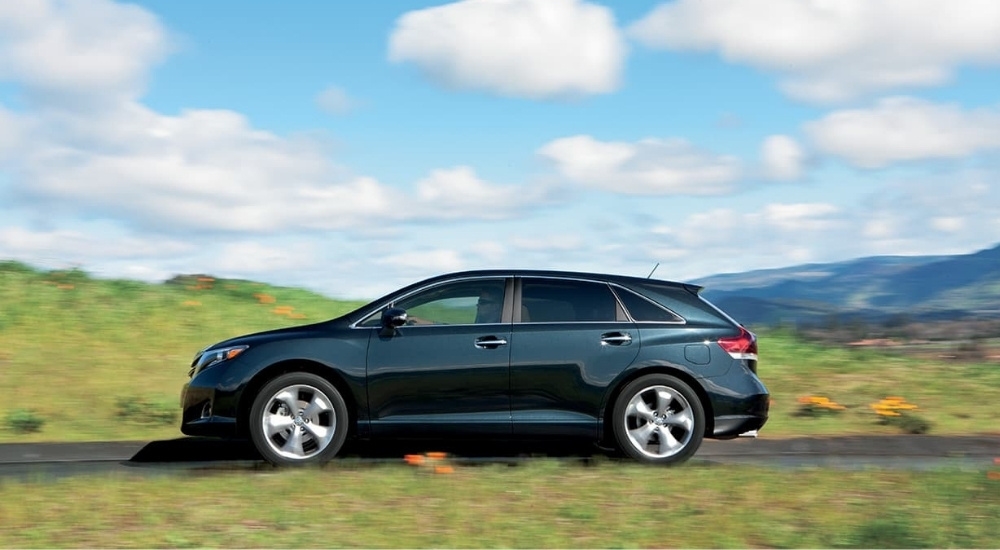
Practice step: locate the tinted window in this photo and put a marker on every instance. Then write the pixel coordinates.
(550, 301)
(460, 303)
(642, 309)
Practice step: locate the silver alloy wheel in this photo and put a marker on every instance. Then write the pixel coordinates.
(659, 421)
(298, 422)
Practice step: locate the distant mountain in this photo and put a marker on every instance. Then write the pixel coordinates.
(876, 288)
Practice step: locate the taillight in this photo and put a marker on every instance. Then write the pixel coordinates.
(742, 346)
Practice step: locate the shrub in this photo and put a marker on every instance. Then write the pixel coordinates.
(141, 411)
(24, 421)
(896, 411)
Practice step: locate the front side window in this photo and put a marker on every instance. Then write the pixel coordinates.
(476, 301)
(559, 301)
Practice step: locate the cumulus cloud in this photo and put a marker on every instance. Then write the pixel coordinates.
(248, 257)
(948, 224)
(336, 101)
(645, 167)
(518, 48)
(549, 243)
(833, 51)
(951, 211)
(79, 51)
(782, 158)
(905, 129)
(202, 170)
(210, 170)
(84, 245)
(425, 261)
(8, 132)
(809, 216)
(791, 232)
(944, 213)
(456, 193)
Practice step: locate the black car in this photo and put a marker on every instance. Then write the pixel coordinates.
(642, 365)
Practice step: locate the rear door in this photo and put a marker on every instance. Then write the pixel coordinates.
(570, 339)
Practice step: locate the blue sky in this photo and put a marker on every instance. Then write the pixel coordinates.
(351, 147)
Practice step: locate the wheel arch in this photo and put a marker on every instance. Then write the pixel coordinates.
(275, 370)
(607, 413)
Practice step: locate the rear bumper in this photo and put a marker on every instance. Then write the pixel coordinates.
(752, 417)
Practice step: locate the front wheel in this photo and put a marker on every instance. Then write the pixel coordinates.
(298, 418)
(659, 419)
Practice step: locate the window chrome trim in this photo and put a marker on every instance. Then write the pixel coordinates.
(615, 287)
(385, 305)
(520, 300)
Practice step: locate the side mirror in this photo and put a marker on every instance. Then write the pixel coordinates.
(392, 319)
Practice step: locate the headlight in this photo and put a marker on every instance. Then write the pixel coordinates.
(211, 357)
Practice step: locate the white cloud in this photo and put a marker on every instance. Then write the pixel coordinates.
(729, 240)
(210, 170)
(85, 245)
(831, 51)
(646, 167)
(79, 50)
(425, 262)
(458, 193)
(948, 224)
(782, 158)
(905, 129)
(548, 243)
(203, 170)
(251, 257)
(519, 48)
(336, 101)
(9, 130)
(796, 217)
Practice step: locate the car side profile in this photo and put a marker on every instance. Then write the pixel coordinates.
(642, 365)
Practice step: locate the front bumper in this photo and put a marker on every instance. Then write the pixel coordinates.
(207, 410)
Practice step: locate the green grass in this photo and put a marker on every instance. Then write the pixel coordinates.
(74, 350)
(538, 505)
(953, 397)
(84, 359)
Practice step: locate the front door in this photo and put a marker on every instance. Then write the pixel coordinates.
(446, 372)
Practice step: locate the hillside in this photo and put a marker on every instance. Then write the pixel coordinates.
(85, 359)
(876, 288)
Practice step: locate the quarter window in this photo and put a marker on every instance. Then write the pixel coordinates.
(644, 310)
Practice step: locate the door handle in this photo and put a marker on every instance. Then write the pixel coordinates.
(616, 339)
(490, 342)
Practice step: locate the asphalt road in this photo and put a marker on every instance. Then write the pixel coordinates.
(191, 454)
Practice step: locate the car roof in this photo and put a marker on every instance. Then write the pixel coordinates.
(625, 280)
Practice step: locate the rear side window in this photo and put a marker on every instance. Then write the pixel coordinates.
(560, 301)
(643, 310)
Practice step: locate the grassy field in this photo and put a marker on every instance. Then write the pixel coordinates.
(84, 360)
(90, 359)
(539, 505)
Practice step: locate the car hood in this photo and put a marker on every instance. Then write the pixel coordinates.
(257, 338)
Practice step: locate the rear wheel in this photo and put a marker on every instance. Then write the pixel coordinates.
(659, 419)
(298, 418)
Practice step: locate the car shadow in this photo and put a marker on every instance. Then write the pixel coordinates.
(213, 450)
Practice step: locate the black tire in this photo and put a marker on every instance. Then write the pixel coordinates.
(298, 418)
(658, 419)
